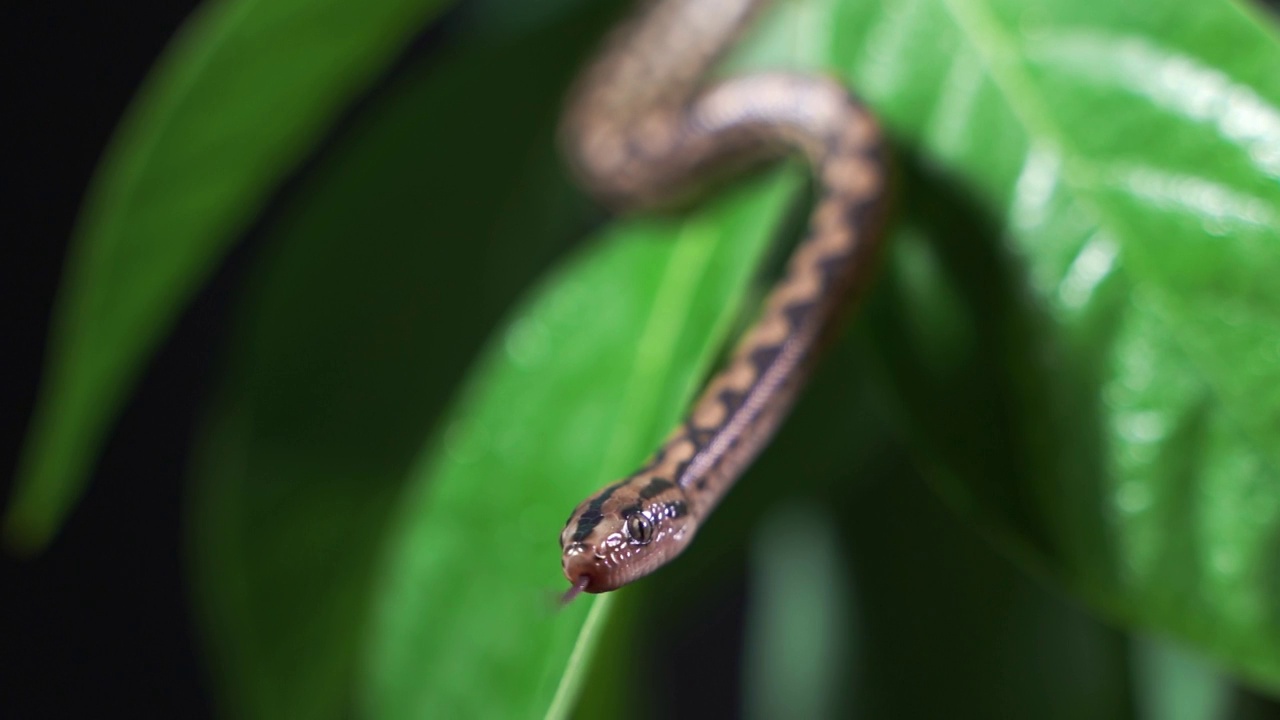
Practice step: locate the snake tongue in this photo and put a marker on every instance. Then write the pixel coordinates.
(575, 590)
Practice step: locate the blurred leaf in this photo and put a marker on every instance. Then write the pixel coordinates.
(343, 357)
(800, 626)
(1173, 684)
(242, 93)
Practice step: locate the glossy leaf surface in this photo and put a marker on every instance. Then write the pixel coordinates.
(1098, 206)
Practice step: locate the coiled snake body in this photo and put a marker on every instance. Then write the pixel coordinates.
(642, 130)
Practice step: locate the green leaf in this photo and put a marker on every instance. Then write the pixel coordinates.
(1173, 684)
(477, 513)
(244, 91)
(950, 628)
(1080, 320)
(798, 641)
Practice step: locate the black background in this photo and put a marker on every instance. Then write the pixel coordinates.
(100, 622)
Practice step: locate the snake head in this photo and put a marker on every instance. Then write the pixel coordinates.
(624, 532)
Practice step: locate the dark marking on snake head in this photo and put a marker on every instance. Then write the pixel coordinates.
(592, 516)
(680, 470)
(656, 487)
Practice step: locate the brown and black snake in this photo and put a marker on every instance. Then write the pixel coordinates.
(644, 130)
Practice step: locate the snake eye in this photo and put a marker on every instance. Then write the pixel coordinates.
(639, 528)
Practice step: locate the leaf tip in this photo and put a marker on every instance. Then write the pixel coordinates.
(24, 535)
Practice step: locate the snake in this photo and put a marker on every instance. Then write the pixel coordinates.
(644, 130)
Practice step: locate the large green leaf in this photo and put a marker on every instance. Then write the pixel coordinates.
(241, 95)
(1082, 326)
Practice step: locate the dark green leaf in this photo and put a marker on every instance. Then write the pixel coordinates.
(380, 282)
(242, 94)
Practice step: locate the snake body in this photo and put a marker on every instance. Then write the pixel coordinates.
(641, 131)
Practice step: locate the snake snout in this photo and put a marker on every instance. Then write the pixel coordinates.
(582, 567)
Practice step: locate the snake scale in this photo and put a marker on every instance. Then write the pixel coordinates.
(643, 129)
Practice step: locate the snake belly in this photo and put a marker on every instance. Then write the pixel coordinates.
(643, 130)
